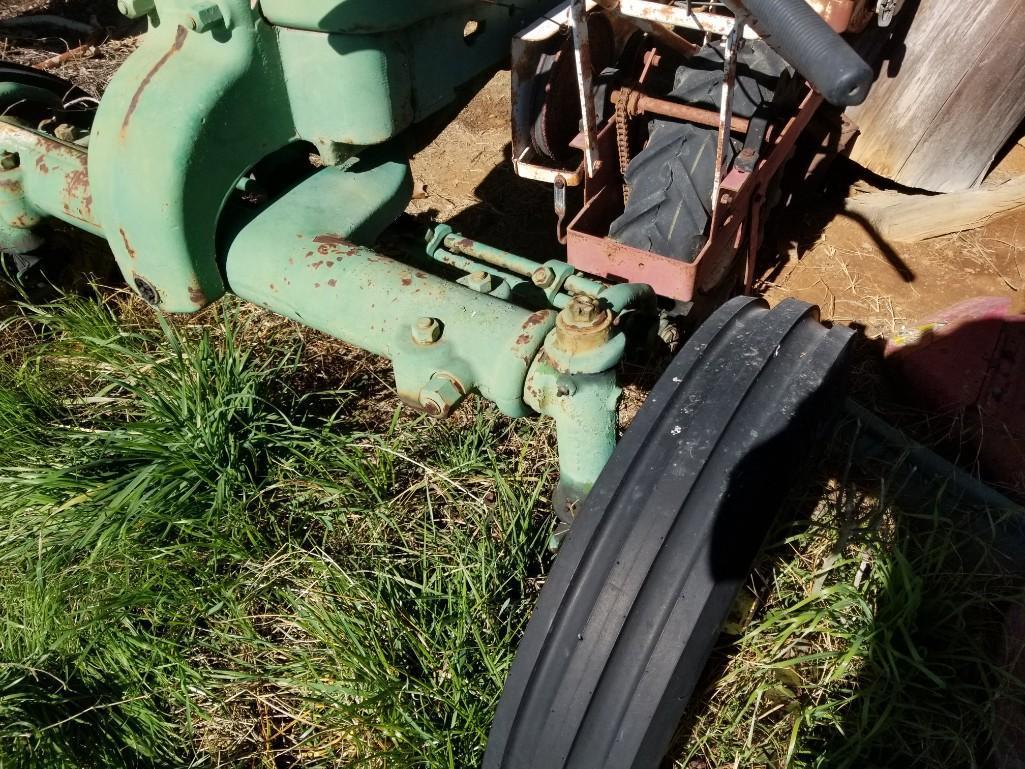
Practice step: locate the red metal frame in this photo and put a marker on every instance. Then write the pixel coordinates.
(736, 220)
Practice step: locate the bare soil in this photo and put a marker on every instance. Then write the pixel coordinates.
(858, 278)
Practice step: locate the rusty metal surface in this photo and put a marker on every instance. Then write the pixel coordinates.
(53, 176)
(681, 16)
(585, 83)
(639, 103)
(841, 15)
(657, 28)
(583, 326)
(591, 251)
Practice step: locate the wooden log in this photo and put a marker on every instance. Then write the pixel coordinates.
(897, 217)
(948, 97)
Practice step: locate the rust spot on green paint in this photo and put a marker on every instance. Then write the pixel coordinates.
(197, 296)
(536, 319)
(333, 244)
(128, 246)
(41, 165)
(331, 240)
(76, 196)
(332, 282)
(179, 41)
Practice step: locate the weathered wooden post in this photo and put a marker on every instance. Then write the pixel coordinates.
(948, 97)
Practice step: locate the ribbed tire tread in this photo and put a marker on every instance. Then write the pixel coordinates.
(634, 603)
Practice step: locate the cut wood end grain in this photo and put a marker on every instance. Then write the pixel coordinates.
(905, 218)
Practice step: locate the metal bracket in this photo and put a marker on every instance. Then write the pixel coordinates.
(585, 85)
(730, 50)
(681, 16)
(559, 202)
(757, 127)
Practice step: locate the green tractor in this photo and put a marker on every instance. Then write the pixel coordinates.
(255, 147)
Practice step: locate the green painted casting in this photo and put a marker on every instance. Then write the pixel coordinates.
(584, 409)
(47, 178)
(298, 259)
(216, 87)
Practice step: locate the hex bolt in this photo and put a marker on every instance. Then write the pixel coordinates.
(67, 132)
(543, 277)
(426, 331)
(9, 160)
(440, 396)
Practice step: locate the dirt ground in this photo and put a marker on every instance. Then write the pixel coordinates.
(856, 277)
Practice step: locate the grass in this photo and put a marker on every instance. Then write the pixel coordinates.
(211, 555)
(875, 639)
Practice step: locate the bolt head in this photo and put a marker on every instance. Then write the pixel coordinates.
(9, 161)
(67, 132)
(204, 16)
(426, 331)
(543, 277)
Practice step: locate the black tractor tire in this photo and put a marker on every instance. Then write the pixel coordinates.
(33, 94)
(634, 603)
(671, 179)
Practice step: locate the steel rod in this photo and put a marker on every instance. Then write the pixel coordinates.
(650, 105)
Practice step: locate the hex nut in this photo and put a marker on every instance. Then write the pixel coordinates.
(480, 282)
(426, 331)
(440, 396)
(583, 310)
(583, 326)
(67, 132)
(543, 277)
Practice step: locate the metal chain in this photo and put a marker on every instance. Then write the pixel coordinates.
(623, 138)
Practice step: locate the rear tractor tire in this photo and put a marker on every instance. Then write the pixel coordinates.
(671, 179)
